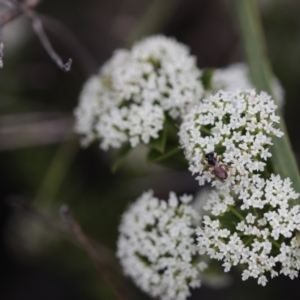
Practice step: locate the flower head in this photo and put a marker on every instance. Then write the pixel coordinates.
(236, 126)
(128, 99)
(261, 234)
(156, 246)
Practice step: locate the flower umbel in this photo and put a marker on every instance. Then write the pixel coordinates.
(237, 126)
(157, 248)
(128, 99)
(261, 234)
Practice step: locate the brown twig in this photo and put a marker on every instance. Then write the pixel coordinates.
(8, 3)
(25, 7)
(1, 47)
(39, 30)
(18, 203)
(5, 18)
(88, 63)
(9, 16)
(59, 228)
(93, 254)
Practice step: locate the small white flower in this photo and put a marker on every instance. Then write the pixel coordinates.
(156, 246)
(129, 98)
(250, 218)
(262, 280)
(237, 126)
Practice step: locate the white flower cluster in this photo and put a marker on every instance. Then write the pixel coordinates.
(157, 247)
(238, 126)
(254, 240)
(236, 76)
(128, 99)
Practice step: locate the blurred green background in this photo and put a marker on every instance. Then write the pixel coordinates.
(43, 166)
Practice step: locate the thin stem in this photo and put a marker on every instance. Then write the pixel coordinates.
(298, 237)
(4, 19)
(93, 254)
(7, 3)
(251, 238)
(205, 130)
(10, 15)
(39, 30)
(56, 173)
(88, 63)
(255, 213)
(18, 203)
(1, 47)
(25, 8)
(276, 244)
(107, 256)
(235, 212)
(37, 25)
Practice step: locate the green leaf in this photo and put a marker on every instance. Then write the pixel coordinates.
(159, 144)
(206, 78)
(172, 130)
(176, 162)
(283, 160)
(169, 135)
(120, 157)
(229, 221)
(155, 156)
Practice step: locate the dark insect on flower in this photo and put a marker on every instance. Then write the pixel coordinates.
(219, 170)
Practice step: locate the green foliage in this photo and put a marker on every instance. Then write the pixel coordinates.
(159, 144)
(206, 78)
(120, 157)
(155, 156)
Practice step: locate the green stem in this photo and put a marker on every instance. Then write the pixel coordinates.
(205, 130)
(235, 212)
(251, 238)
(56, 173)
(255, 213)
(298, 237)
(283, 160)
(276, 244)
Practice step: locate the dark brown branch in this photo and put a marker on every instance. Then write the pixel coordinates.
(93, 254)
